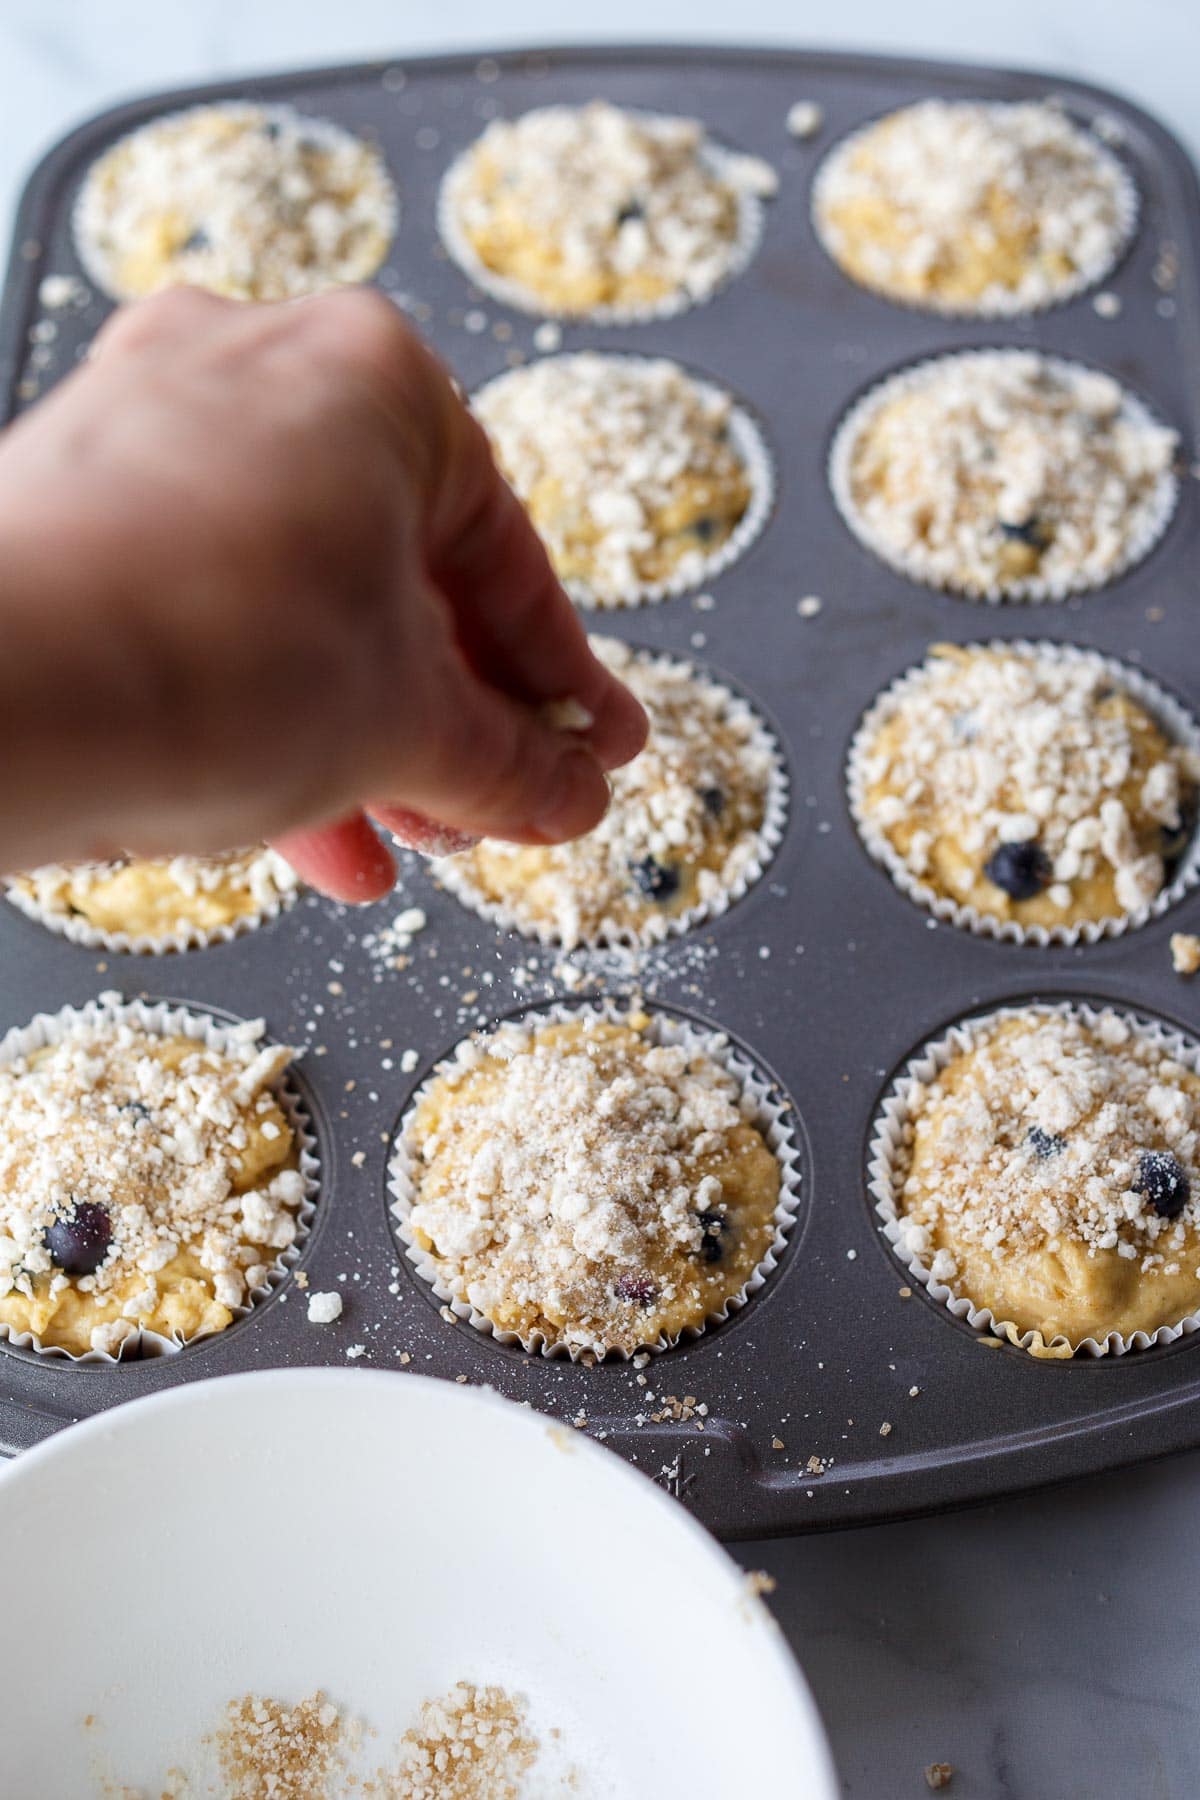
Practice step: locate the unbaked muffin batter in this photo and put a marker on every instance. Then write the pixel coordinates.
(1026, 785)
(580, 1181)
(162, 897)
(971, 206)
(581, 207)
(626, 466)
(1005, 473)
(145, 1182)
(1051, 1174)
(684, 828)
(255, 202)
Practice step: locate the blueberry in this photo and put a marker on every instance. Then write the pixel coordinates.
(1022, 870)
(1164, 1183)
(197, 240)
(1173, 840)
(658, 881)
(136, 1110)
(636, 1290)
(714, 800)
(1044, 1144)
(704, 529)
(271, 128)
(78, 1242)
(713, 1226)
(1029, 531)
(632, 209)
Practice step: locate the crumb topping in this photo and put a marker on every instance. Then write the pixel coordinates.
(683, 830)
(255, 202)
(472, 1744)
(1185, 952)
(625, 464)
(584, 1182)
(271, 1751)
(587, 206)
(977, 206)
(1022, 781)
(1006, 472)
(161, 896)
(131, 1163)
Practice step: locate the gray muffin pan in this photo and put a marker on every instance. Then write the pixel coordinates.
(825, 972)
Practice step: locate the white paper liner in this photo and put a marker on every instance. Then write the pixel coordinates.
(887, 1140)
(452, 874)
(749, 445)
(1031, 589)
(79, 930)
(95, 264)
(720, 161)
(165, 1020)
(1177, 724)
(1001, 305)
(773, 1119)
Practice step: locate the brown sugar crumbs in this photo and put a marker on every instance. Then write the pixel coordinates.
(472, 1744)
(269, 1751)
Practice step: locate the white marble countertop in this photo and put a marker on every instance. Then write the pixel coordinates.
(1045, 1647)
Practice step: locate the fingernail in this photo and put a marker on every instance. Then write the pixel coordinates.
(577, 801)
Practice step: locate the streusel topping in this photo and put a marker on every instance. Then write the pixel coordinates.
(159, 897)
(591, 206)
(135, 1168)
(626, 465)
(582, 1182)
(1026, 784)
(254, 202)
(1051, 1171)
(1006, 473)
(683, 830)
(974, 206)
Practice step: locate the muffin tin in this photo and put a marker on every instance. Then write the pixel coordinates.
(824, 972)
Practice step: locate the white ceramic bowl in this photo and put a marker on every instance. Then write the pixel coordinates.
(379, 1536)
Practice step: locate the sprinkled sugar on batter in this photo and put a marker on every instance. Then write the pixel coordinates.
(1051, 1173)
(976, 207)
(170, 896)
(145, 1181)
(684, 830)
(628, 468)
(579, 1183)
(1006, 474)
(254, 202)
(579, 208)
(1024, 784)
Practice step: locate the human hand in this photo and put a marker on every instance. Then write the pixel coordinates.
(261, 578)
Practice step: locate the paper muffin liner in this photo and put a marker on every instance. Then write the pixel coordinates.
(165, 1020)
(1030, 590)
(95, 264)
(79, 930)
(453, 875)
(1177, 724)
(1001, 305)
(750, 446)
(773, 1117)
(720, 161)
(884, 1173)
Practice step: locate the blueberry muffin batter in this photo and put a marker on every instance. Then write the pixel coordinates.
(974, 207)
(629, 468)
(156, 898)
(1024, 784)
(1050, 1173)
(254, 202)
(582, 1183)
(1005, 474)
(146, 1181)
(577, 208)
(684, 830)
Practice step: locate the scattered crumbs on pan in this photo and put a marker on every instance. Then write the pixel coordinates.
(913, 1392)
(939, 1775)
(809, 606)
(777, 1443)
(804, 119)
(885, 1430)
(1185, 952)
(1107, 305)
(758, 1583)
(323, 1309)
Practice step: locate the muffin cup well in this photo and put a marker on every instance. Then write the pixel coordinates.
(749, 444)
(451, 873)
(80, 931)
(884, 1174)
(164, 1020)
(1176, 722)
(720, 161)
(1000, 305)
(1030, 590)
(773, 1118)
(323, 131)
